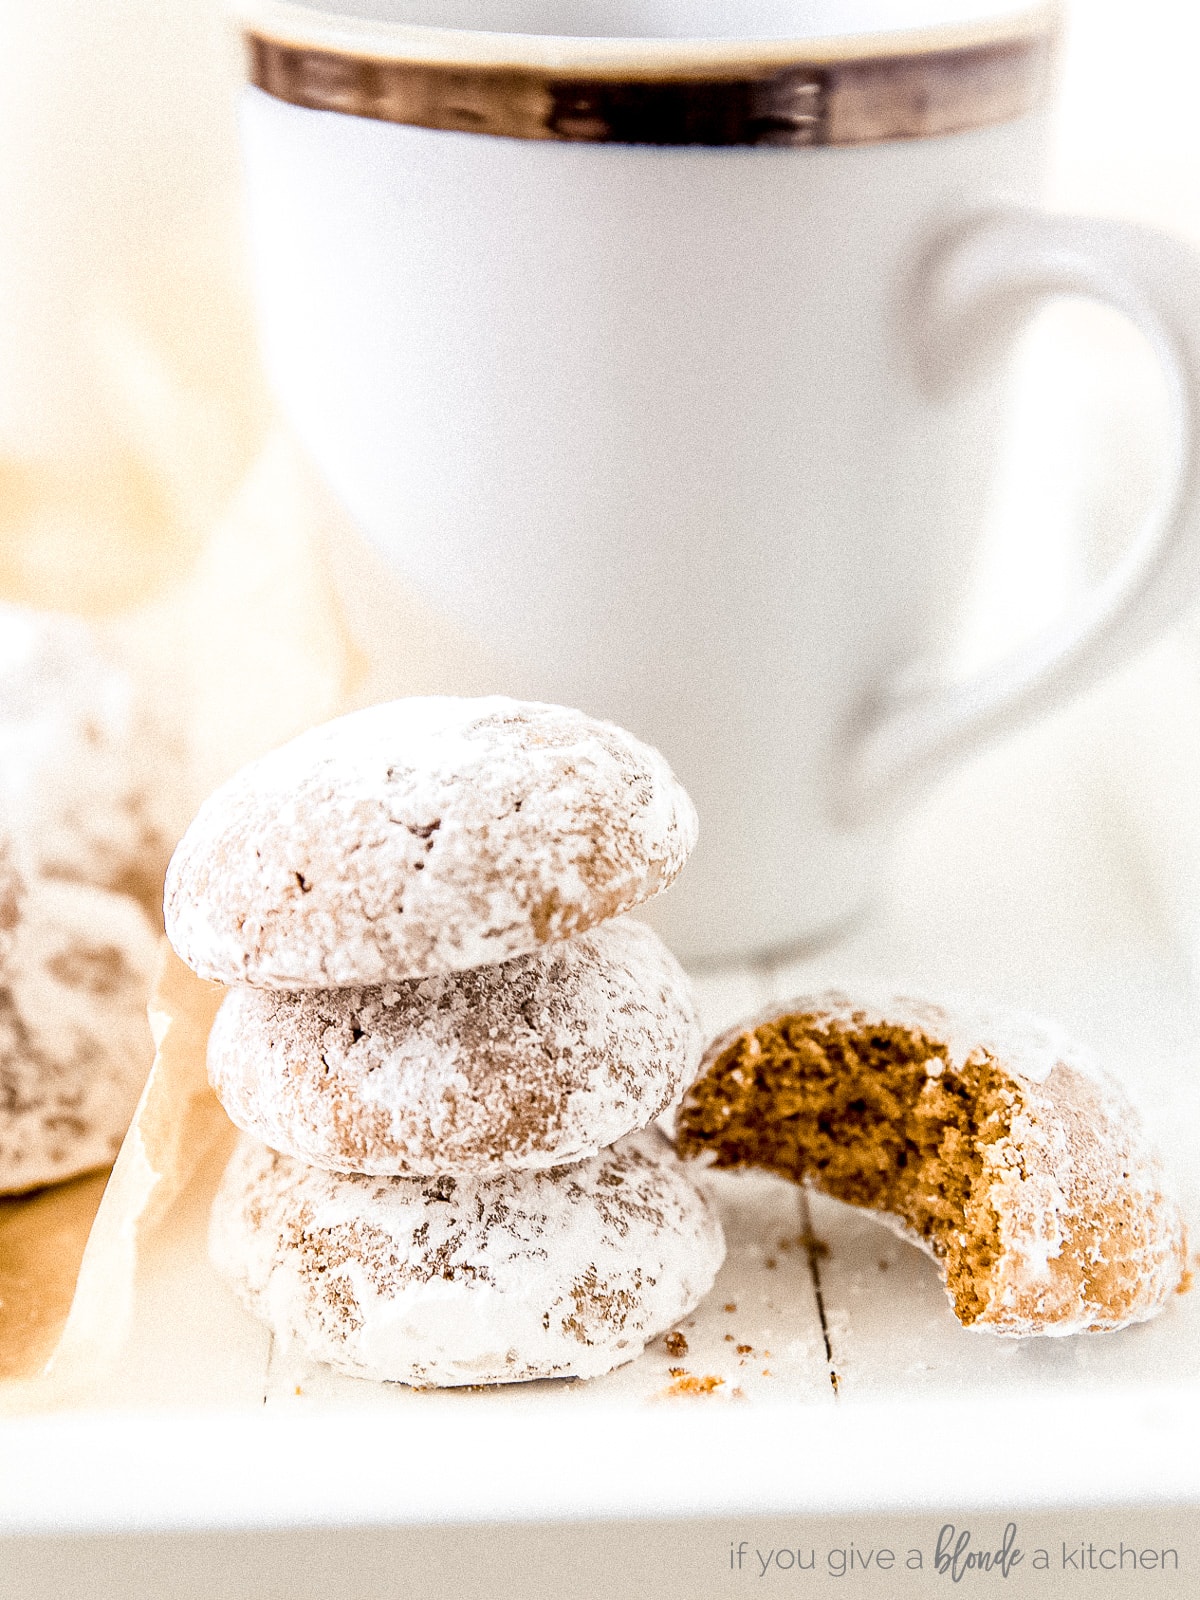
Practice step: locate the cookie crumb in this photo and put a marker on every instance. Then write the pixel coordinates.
(729, 1306)
(686, 1383)
(676, 1344)
(745, 1349)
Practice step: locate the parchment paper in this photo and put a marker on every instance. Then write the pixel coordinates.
(178, 1120)
(41, 1244)
(243, 650)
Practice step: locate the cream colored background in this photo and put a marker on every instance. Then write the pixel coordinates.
(131, 406)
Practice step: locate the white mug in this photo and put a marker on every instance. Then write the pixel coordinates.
(659, 347)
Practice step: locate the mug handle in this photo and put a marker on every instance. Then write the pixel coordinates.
(973, 292)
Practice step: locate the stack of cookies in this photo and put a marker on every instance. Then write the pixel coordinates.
(446, 1045)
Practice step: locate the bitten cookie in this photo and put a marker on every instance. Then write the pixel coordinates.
(422, 837)
(75, 1046)
(536, 1062)
(989, 1139)
(89, 782)
(449, 1281)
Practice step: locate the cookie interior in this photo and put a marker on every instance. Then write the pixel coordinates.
(871, 1113)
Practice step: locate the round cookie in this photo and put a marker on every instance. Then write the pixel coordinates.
(987, 1138)
(88, 782)
(536, 1062)
(449, 1281)
(75, 1045)
(422, 837)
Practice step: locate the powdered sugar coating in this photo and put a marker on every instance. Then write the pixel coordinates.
(90, 783)
(1090, 1235)
(444, 1281)
(1030, 1047)
(532, 1063)
(13, 886)
(75, 1045)
(421, 837)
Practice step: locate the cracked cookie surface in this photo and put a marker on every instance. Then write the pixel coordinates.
(536, 1062)
(449, 1281)
(423, 837)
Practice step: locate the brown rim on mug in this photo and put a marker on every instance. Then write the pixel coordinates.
(858, 89)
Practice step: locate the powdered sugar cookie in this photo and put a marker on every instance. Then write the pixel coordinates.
(422, 837)
(75, 1046)
(988, 1138)
(89, 782)
(448, 1281)
(533, 1063)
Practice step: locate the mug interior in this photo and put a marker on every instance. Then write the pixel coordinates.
(669, 19)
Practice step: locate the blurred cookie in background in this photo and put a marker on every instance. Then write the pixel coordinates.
(75, 1047)
(91, 778)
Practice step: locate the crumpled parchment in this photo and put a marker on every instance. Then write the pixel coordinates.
(244, 650)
